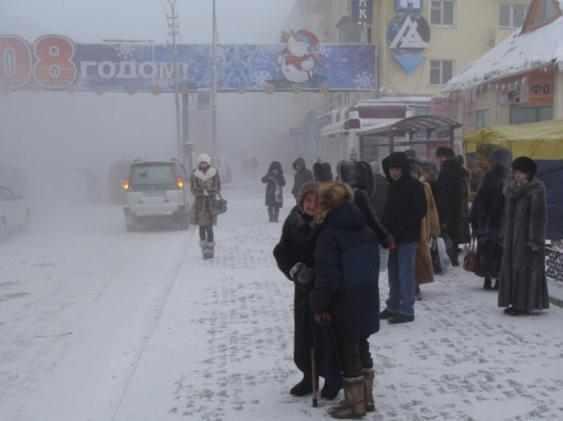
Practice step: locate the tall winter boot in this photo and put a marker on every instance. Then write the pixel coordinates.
(203, 245)
(369, 379)
(210, 251)
(354, 404)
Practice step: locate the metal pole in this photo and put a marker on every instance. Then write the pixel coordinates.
(213, 96)
(173, 27)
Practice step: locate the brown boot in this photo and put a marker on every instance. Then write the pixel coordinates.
(369, 378)
(354, 404)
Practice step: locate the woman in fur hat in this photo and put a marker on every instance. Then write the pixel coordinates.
(523, 286)
(294, 255)
(347, 292)
(205, 185)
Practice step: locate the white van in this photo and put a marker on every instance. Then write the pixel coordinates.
(156, 191)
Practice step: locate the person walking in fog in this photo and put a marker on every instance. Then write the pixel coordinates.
(451, 199)
(205, 185)
(346, 293)
(302, 176)
(275, 182)
(405, 209)
(487, 215)
(523, 285)
(294, 255)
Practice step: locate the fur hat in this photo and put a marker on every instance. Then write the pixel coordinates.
(204, 158)
(525, 165)
(322, 172)
(333, 195)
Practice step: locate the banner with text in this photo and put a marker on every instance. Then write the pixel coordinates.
(55, 62)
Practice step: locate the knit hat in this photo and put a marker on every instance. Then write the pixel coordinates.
(525, 165)
(322, 172)
(204, 158)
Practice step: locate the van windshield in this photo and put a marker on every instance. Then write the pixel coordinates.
(153, 177)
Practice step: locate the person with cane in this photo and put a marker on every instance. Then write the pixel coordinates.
(294, 256)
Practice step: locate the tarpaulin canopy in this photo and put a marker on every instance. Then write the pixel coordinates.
(542, 142)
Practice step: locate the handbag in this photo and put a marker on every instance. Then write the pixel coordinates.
(471, 259)
(219, 205)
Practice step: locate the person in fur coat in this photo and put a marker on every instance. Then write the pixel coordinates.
(523, 285)
(205, 186)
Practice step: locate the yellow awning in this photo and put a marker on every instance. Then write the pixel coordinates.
(543, 141)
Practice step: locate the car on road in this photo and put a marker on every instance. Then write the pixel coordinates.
(156, 192)
(14, 212)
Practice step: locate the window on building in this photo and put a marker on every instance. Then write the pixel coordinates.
(442, 12)
(522, 115)
(481, 119)
(512, 15)
(441, 71)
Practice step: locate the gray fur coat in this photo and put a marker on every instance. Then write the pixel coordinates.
(522, 282)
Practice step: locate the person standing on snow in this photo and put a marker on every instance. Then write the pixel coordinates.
(275, 182)
(487, 215)
(205, 185)
(405, 209)
(294, 256)
(302, 176)
(523, 285)
(430, 229)
(451, 199)
(346, 293)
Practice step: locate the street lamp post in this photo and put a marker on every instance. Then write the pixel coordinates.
(213, 87)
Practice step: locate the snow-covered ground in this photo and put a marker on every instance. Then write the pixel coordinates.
(97, 324)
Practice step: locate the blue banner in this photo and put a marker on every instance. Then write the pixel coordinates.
(56, 63)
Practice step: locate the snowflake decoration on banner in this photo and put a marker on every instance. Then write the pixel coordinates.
(262, 78)
(364, 81)
(125, 51)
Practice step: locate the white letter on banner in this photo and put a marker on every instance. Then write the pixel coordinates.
(148, 75)
(166, 71)
(107, 70)
(84, 68)
(127, 70)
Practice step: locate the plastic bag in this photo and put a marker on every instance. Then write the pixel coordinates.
(445, 261)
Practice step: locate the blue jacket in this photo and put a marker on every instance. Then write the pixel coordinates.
(347, 273)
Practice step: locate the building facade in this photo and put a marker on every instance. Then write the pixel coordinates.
(518, 82)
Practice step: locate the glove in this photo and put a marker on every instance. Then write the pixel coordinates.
(301, 274)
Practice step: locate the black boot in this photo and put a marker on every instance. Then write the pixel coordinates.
(496, 286)
(303, 388)
(331, 389)
(488, 284)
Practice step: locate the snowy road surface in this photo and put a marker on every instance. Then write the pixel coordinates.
(97, 324)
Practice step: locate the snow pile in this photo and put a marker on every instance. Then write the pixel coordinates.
(517, 54)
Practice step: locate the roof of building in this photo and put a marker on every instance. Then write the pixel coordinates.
(413, 125)
(519, 53)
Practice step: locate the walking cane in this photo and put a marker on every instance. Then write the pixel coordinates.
(315, 377)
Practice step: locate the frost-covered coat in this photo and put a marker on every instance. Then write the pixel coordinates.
(522, 281)
(204, 187)
(274, 185)
(430, 227)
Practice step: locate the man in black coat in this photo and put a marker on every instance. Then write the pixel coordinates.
(294, 255)
(302, 176)
(405, 209)
(452, 201)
